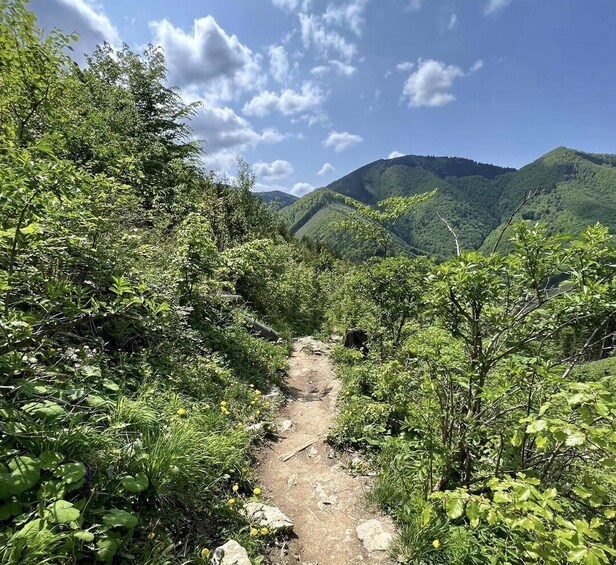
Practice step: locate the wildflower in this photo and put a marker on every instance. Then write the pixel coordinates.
(254, 532)
(235, 488)
(257, 491)
(253, 401)
(258, 412)
(257, 392)
(151, 535)
(205, 552)
(231, 502)
(436, 544)
(223, 402)
(181, 412)
(264, 531)
(252, 386)
(268, 404)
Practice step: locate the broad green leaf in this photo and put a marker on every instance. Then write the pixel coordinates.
(49, 460)
(119, 518)
(44, 409)
(575, 438)
(10, 509)
(71, 473)
(135, 484)
(536, 426)
(84, 536)
(62, 512)
(454, 506)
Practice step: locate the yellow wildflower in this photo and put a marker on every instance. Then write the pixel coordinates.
(257, 392)
(257, 491)
(181, 412)
(253, 532)
(235, 488)
(151, 535)
(205, 552)
(264, 531)
(231, 501)
(436, 544)
(258, 412)
(268, 404)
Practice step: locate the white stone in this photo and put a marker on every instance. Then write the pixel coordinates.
(232, 553)
(374, 536)
(254, 427)
(285, 426)
(268, 516)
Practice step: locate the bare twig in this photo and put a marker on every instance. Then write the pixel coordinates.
(455, 236)
(528, 196)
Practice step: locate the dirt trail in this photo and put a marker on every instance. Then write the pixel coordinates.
(302, 476)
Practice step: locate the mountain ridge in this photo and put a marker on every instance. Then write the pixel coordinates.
(475, 198)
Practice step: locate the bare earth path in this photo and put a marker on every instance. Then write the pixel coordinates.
(302, 477)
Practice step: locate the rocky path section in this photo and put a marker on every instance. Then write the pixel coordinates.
(305, 480)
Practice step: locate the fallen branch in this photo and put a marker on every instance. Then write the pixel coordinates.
(299, 449)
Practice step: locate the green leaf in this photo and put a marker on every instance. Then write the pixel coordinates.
(44, 409)
(62, 512)
(135, 484)
(10, 509)
(119, 518)
(576, 438)
(71, 473)
(536, 426)
(576, 555)
(108, 546)
(454, 506)
(84, 536)
(49, 460)
(25, 473)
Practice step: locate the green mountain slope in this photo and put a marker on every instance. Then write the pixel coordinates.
(278, 198)
(577, 189)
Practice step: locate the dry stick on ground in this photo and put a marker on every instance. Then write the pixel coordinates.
(455, 236)
(298, 449)
(528, 196)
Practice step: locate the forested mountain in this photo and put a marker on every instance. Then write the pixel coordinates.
(575, 189)
(278, 198)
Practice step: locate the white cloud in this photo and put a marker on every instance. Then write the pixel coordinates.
(414, 5)
(287, 102)
(395, 154)
(453, 22)
(278, 169)
(494, 6)
(326, 41)
(477, 65)
(430, 85)
(292, 5)
(272, 135)
(326, 169)
(350, 14)
(341, 69)
(301, 188)
(341, 140)
(79, 16)
(208, 58)
(279, 63)
(405, 66)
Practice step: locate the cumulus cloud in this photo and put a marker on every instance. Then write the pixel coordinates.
(226, 134)
(494, 6)
(341, 140)
(279, 63)
(395, 154)
(326, 41)
(430, 84)
(349, 14)
(287, 102)
(405, 66)
(278, 169)
(326, 169)
(79, 16)
(207, 57)
(341, 69)
(301, 188)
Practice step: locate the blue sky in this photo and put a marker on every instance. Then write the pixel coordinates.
(309, 90)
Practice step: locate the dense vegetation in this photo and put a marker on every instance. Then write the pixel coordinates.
(129, 383)
(492, 430)
(575, 190)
